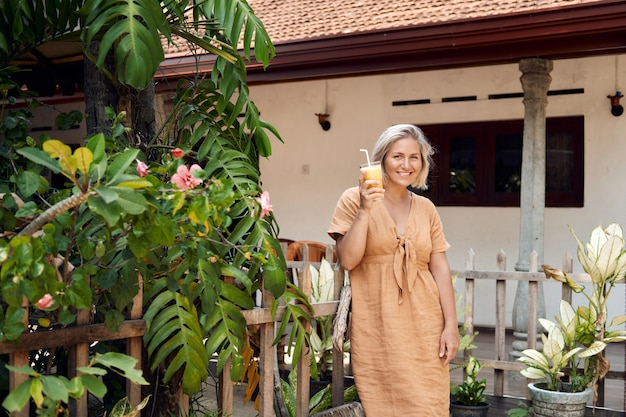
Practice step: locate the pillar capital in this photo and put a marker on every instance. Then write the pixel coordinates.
(535, 79)
(535, 65)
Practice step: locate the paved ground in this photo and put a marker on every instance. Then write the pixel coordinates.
(207, 402)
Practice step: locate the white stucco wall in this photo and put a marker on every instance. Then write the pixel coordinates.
(306, 174)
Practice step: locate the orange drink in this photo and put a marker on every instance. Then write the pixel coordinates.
(373, 171)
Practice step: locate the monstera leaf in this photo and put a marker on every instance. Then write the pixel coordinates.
(174, 337)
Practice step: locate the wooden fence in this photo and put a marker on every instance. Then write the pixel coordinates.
(79, 337)
(501, 277)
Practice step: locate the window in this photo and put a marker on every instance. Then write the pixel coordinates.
(480, 164)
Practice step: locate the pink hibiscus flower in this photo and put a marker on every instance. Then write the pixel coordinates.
(142, 169)
(45, 302)
(264, 200)
(184, 178)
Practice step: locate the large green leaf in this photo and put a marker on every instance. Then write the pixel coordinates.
(109, 212)
(236, 14)
(130, 201)
(274, 279)
(40, 157)
(123, 364)
(120, 164)
(53, 389)
(28, 182)
(133, 28)
(174, 337)
(18, 398)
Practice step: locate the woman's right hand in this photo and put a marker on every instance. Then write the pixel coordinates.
(371, 191)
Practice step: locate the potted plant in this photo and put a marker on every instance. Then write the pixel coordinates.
(572, 361)
(321, 337)
(469, 399)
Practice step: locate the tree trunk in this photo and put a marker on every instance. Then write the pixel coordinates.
(100, 93)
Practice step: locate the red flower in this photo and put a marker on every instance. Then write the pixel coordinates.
(177, 153)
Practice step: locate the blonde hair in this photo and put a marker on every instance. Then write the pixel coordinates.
(402, 131)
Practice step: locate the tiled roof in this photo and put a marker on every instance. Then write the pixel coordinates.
(287, 20)
(291, 20)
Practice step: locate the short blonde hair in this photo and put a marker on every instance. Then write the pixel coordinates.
(402, 131)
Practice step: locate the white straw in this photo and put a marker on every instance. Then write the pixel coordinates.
(367, 155)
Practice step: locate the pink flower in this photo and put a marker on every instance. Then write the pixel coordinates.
(177, 153)
(45, 302)
(142, 169)
(264, 200)
(184, 178)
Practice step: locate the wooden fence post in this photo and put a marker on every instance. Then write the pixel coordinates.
(17, 359)
(500, 330)
(267, 357)
(225, 392)
(134, 345)
(338, 369)
(303, 385)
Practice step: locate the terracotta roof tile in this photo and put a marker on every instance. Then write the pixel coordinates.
(291, 20)
(287, 20)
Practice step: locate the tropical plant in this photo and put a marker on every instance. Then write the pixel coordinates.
(202, 239)
(576, 341)
(213, 247)
(320, 401)
(471, 391)
(131, 32)
(558, 352)
(321, 337)
(123, 408)
(51, 393)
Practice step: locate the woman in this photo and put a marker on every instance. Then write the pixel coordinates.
(404, 330)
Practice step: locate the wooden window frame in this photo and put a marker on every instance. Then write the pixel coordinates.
(485, 135)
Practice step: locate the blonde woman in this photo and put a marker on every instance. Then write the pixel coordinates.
(404, 330)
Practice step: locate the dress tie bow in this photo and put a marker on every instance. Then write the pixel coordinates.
(405, 266)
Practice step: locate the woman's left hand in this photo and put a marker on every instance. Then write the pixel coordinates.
(449, 344)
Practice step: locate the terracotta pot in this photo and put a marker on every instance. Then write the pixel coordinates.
(460, 410)
(558, 403)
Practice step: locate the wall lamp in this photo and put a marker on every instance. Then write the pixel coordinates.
(616, 108)
(322, 118)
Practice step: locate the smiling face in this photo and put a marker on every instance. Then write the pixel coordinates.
(403, 162)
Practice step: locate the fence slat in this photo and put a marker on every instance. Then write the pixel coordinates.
(500, 330)
(304, 370)
(19, 358)
(225, 391)
(267, 357)
(338, 369)
(78, 356)
(134, 344)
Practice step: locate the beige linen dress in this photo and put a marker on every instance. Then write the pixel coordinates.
(397, 318)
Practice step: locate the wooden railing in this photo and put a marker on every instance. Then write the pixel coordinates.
(499, 364)
(77, 339)
(262, 317)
